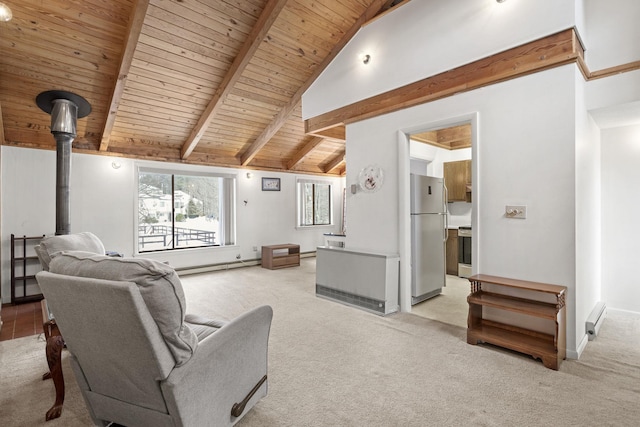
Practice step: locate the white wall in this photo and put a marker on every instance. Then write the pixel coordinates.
(525, 154)
(103, 202)
(620, 207)
(536, 145)
(424, 38)
(614, 104)
(612, 32)
(587, 214)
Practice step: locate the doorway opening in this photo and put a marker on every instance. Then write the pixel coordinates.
(445, 151)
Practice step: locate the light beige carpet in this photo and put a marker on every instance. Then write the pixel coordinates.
(333, 365)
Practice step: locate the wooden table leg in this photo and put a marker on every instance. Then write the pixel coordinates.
(54, 354)
(55, 343)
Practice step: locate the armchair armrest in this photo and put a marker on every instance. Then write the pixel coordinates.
(224, 369)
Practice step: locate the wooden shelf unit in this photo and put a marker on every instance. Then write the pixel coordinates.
(280, 256)
(548, 347)
(24, 266)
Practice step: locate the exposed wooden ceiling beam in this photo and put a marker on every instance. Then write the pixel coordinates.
(254, 39)
(454, 133)
(337, 161)
(133, 34)
(612, 71)
(548, 52)
(338, 132)
(281, 118)
(2, 141)
(451, 138)
(426, 137)
(302, 153)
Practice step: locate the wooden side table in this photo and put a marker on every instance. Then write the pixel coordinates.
(548, 347)
(55, 343)
(280, 256)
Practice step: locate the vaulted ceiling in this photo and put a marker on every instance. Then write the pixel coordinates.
(216, 82)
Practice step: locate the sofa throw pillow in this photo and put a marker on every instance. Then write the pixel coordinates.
(159, 286)
(85, 241)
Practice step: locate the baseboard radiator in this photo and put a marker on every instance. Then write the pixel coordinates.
(595, 320)
(368, 281)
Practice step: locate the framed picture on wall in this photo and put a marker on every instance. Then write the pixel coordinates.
(270, 184)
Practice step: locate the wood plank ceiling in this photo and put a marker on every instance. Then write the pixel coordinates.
(216, 82)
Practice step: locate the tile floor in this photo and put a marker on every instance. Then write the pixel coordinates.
(21, 320)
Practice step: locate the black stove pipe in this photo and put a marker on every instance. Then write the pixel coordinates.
(65, 108)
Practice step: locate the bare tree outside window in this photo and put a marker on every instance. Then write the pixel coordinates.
(315, 204)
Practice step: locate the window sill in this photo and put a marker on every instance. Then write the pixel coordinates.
(310, 227)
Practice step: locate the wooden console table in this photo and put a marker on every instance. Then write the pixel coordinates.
(550, 348)
(280, 256)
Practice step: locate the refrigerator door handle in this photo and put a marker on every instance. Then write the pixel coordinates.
(446, 227)
(446, 213)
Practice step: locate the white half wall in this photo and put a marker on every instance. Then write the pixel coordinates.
(103, 202)
(620, 207)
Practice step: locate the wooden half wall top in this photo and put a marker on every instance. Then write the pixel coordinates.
(548, 52)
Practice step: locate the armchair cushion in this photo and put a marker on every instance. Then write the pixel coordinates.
(202, 326)
(159, 286)
(85, 241)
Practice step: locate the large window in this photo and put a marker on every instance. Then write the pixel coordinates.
(180, 210)
(314, 203)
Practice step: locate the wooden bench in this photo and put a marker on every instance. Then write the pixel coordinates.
(280, 256)
(548, 347)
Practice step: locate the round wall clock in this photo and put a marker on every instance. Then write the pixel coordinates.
(370, 178)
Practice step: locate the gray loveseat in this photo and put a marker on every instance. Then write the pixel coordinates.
(138, 358)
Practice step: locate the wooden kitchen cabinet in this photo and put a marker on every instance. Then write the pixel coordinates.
(457, 178)
(452, 252)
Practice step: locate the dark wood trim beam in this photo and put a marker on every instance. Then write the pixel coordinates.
(2, 141)
(612, 71)
(339, 133)
(304, 151)
(133, 34)
(268, 16)
(282, 117)
(542, 54)
(337, 161)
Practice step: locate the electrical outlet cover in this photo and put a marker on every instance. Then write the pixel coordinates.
(515, 211)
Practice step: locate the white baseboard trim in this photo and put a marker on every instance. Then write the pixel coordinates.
(216, 267)
(581, 346)
(185, 271)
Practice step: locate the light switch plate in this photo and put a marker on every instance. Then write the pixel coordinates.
(512, 211)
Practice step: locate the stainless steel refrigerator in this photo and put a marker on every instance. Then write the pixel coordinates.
(428, 237)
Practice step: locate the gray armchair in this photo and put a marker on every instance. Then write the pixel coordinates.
(139, 359)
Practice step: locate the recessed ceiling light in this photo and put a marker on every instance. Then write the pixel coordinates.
(5, 13)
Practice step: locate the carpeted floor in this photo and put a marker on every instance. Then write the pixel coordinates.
(333, 365)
